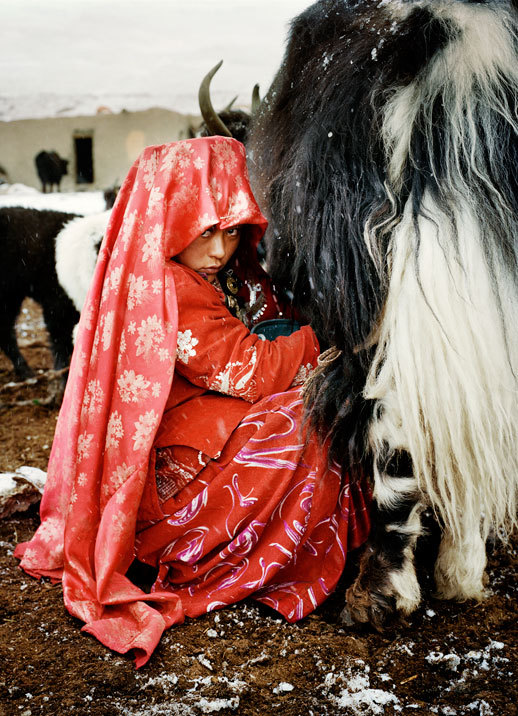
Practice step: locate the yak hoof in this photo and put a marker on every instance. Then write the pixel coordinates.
(367, 607)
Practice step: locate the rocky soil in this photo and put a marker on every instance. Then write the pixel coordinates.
(450, 659)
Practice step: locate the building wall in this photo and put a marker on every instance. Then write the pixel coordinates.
(117, 141)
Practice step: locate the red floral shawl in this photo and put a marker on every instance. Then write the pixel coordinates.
(120, 377)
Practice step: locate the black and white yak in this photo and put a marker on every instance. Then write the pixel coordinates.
(49, 256)
(387, 155)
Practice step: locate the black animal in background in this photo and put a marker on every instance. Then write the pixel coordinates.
(51, 168)
(28, 268)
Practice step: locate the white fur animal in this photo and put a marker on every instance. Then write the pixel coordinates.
(77, 247)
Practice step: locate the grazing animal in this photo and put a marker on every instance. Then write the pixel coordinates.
(29, 269)
(51, 168)
(386, 152)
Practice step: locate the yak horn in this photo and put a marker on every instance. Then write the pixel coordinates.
(209, 114)
(256, 99)
(229, 105)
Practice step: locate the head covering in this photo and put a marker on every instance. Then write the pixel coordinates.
(120, 376)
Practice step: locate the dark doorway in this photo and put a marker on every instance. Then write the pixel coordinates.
(84, 160)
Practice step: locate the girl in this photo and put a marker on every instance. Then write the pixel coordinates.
(179, 442)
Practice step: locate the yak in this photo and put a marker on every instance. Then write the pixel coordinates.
(49, 256)
(229, 122)
(386, 155)
(51, 168)
(27, 239)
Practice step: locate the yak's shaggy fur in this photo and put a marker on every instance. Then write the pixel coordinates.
(29, 269)
(387, 154)
(77, 248)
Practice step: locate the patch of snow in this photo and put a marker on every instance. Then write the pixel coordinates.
(205, 662)
(283, 687)
(481, 708)
(164, 680)
(12, 189)
(210, 707)
(75, 202)
(451, 661)
(358, 696)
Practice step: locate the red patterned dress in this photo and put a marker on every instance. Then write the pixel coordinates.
(179, 442)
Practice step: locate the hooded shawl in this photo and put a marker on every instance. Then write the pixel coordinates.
(120, 376)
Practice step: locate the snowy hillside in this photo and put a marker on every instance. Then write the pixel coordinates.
(69, 57)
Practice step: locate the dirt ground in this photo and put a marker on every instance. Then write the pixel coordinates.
(449, 659)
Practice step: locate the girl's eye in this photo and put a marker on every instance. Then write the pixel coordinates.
(233, 232)
(208, 233)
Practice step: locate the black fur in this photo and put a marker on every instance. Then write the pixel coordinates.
(320, 168)
(29, 269)
(51, 168)
(235, 120)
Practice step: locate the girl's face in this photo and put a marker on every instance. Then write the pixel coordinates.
(210, 251)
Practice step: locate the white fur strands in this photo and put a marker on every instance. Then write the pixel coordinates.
(446, 366)
(77, 247)
(445, 371)
(468, 75)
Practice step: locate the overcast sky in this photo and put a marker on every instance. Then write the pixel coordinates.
(59, 56)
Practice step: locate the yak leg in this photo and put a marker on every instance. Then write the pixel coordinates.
(387, 580)
(460, 565)
(60, 317)
(8, 342)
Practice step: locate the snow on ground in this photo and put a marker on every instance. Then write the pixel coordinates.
(78, 202)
